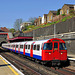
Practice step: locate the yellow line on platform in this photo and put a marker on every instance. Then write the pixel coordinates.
(10, 67)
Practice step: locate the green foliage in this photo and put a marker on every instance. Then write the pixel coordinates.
(12, 30)
(57, 21)
(64, 19)
(63, 14)
(58, 11)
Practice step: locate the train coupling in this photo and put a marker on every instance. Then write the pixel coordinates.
(55, 63)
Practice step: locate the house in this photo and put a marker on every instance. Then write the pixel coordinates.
(50, 16)
(4, 29)
(39, 20)
(44, 18)
(36, 22)
(67, 8)
(25, 24)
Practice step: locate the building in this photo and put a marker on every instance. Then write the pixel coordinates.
(44, 18)
(50, 16)
(4, 29)
(4, 36)
(25, 23)
(67, 8)
(39, 20)
(36, 22)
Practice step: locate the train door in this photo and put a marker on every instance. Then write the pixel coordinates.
(21, 48)
(15, 48)
(56, 54)
(24, 50)
(31, 51)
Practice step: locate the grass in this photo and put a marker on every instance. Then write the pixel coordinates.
(33, 27)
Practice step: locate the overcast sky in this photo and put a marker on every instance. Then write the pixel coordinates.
(10, 10)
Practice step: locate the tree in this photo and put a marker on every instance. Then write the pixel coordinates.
(12, 30)
(58, 11)
(32, 20)
(17, 24)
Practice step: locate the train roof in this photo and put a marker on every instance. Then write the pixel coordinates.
(37, 41)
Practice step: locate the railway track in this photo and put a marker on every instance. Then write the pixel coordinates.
(31, 68)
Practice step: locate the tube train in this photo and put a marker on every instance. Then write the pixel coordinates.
(51, 50)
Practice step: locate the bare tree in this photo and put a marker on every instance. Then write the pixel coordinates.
(32, 19)
(17, 24)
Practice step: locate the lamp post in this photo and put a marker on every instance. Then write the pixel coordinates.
(54, 30)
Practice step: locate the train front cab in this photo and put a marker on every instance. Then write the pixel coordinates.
(54, 50)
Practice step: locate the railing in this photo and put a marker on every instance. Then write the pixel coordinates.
(70, 35)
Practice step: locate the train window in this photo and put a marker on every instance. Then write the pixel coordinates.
(47, 46)
(25, 46)
(62, 46)
(55, 45)
(13, 45)
(21, 46)
(16, 46)
(34, 47)
(28, 46)
(8, 45)
(38, 47)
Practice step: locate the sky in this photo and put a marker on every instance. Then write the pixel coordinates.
(10, 10)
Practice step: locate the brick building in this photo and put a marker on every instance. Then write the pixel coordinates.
(36, 22)
(4, 29)
(39, 20)
(67, 8)
(50, 16)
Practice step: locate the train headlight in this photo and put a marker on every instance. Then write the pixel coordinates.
(49, 53)
(61, 53)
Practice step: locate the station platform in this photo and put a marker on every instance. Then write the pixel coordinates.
(6, 68)
(71, 57)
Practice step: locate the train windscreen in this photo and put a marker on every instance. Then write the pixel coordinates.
(47, 46)
(62, 46)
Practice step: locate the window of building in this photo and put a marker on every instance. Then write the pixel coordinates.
(67, 11)
(48, 18)
(51, 17)
(60, 12)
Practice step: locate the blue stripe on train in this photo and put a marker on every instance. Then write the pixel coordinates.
(21, 52)
(28, 54)
(37, 56)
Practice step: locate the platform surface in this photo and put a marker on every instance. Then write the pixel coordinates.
(6, 68)
(71, 56)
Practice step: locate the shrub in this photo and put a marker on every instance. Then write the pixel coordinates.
(58, 11)
(72, 12)
(63, 14)
(64, 19)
